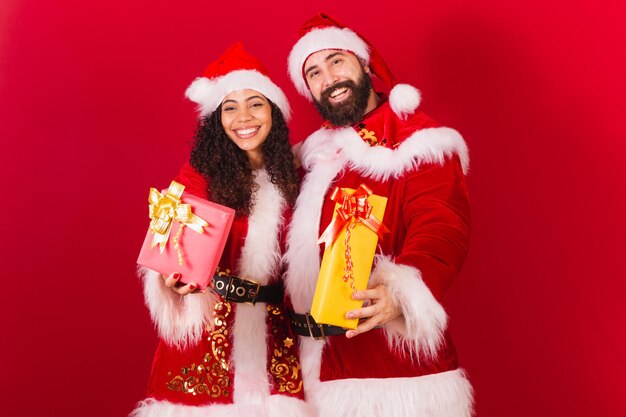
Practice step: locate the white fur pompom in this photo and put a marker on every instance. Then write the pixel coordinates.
(404, 99)
(200, 90)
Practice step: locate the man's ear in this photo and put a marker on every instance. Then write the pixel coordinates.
(365, 66)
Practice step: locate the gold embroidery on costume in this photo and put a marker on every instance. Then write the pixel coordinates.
(285, 367)
(369, 136)
(211, 376)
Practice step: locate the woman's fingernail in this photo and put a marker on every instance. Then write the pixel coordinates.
(192, 286)
(176, 276)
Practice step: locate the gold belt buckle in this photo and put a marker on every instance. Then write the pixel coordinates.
(230, 288)
(255, 293)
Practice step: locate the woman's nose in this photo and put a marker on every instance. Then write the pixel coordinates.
(244, 115)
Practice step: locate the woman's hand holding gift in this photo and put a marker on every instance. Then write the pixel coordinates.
(178, 287)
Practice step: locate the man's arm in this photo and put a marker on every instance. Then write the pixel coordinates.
(405, 290)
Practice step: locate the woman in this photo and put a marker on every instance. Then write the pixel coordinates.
(217, 355)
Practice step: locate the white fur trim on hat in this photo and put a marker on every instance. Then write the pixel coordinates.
(404, 100)
(318, 40)
(208, 94)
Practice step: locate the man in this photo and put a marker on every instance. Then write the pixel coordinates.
(400, 360)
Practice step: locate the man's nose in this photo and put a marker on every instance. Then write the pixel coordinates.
(330, 78)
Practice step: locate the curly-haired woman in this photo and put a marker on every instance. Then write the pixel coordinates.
(219, 356)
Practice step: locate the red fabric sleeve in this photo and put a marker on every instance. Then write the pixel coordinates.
(436, 213)
(194, 182)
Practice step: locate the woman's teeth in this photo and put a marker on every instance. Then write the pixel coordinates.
(247, 131)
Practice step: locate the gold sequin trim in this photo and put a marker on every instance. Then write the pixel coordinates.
(285, 367)
(211, 376)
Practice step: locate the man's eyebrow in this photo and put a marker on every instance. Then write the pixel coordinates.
(332, 55)
(311, 68)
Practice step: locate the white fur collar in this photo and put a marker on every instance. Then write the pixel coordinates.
(425, 146)
(260, 255)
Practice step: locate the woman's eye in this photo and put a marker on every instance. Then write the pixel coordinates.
(256, 105)
(229, 108)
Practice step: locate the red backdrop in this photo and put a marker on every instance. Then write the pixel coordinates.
(92, 113)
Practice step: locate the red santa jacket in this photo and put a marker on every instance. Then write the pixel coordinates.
(247, 363)
(409, 366)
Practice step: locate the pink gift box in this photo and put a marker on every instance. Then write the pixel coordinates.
(201, 251)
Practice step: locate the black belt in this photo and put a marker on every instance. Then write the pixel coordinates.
(239, 290)
(305, 325)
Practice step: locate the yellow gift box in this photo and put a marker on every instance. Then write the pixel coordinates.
(351, 239)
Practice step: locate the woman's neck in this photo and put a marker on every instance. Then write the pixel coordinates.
(256, 160)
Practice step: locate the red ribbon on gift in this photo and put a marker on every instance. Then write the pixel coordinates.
(354, 208)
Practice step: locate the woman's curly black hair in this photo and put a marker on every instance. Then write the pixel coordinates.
(227, 169)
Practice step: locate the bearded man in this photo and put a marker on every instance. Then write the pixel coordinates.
(400, 360)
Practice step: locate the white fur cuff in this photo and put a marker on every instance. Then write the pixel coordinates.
(179, 320)
(420, 328)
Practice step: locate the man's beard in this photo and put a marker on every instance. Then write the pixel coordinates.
(350, 110)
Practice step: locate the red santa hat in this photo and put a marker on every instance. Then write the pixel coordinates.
(235, 70)
(323, 32)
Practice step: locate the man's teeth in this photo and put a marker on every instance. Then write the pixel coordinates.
(246, 131)
(338, 91)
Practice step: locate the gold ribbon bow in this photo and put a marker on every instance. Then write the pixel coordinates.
(354, 209)
(167, 208)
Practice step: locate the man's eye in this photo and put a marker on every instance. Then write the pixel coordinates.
(313, 74)
(336, 61)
